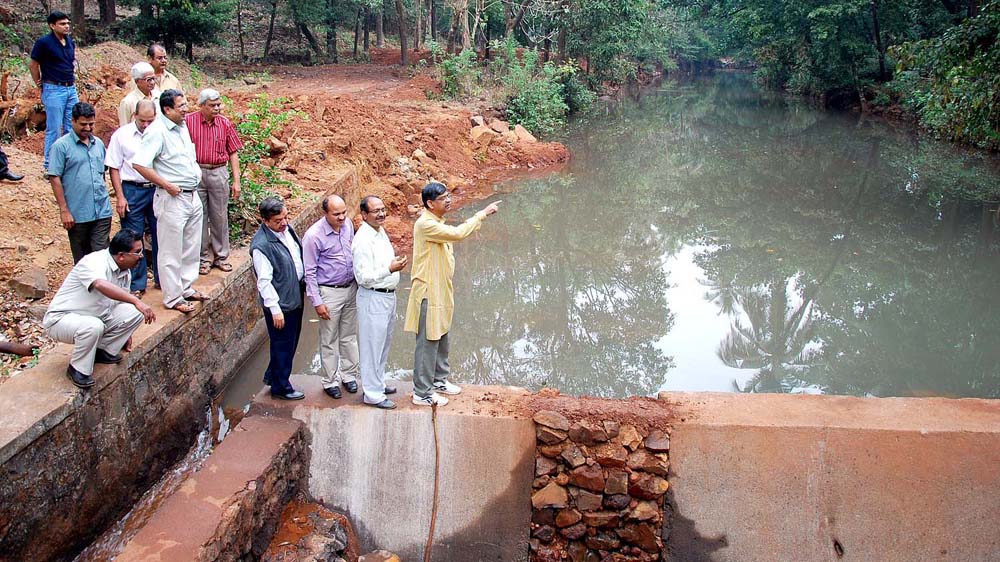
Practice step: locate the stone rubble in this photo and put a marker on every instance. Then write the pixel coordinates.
(599, 492)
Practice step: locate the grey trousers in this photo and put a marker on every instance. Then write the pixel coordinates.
(88, 333)
(178, 237)
(214, 193)
(338, 336)
(376, 312)
(430, 358)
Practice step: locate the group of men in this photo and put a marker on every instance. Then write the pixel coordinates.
(170, 173)
(350, 278)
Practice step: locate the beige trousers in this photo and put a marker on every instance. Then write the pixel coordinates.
(88, 333)
(214, 193)
(178, 237)
(338, 336)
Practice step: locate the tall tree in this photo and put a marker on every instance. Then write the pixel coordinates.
(401, 17)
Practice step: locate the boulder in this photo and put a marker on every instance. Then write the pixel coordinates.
(587, 433)
(610, 454)
(647, 486)
(548, 435)
(588, 477)
(573, 456)
(658, 441)
(552, 419)
(499, 126)
(645, 511)
(552, 495)
(481, 133)
(421, 156)
(510, 137)
(551, 451)
(523, 134)
(276, 146)
(617, 482)
(642, 535)
(612, 428)
(30, 283)
(477, 121)
(567, 517)
(654, 463)
(630, 437)
(545, 465)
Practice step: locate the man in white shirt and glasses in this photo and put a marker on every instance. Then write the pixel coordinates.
(376, 269)
(133, 194)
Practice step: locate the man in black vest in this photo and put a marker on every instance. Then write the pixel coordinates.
(277, 261)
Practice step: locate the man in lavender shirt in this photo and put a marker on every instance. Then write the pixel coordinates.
(330, 286)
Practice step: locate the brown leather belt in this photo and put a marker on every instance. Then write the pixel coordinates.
(211, 166)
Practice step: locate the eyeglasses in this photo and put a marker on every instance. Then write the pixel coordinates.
(378, 212)
(136, 254)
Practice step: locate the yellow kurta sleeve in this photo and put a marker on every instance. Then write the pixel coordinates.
(433, 269)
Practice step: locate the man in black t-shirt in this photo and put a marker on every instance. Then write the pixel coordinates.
(52, 65)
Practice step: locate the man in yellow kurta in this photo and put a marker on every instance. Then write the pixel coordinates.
(432, 297)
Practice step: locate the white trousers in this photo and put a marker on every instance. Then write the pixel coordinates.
(178, 233)
(376, 312)
(88, 333)
(338, 336)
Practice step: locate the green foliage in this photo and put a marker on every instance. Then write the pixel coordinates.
(538, 104)
(460, 74)
(953, 81)
(263, 117)
(198, 22)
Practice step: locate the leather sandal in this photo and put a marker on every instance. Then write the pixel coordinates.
(197, 296)
(205, 269)
(184, 307)
(225, 266)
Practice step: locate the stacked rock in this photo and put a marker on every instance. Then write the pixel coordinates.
(598, 490)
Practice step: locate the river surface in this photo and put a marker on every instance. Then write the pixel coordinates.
(710, 236)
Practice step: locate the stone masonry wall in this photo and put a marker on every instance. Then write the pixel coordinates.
(85, 468)
(599, 490)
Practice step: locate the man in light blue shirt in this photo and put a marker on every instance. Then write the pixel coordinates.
(76, 172)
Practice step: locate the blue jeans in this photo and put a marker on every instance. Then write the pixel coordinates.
(58, 102)
(139, 217)
(284, 342)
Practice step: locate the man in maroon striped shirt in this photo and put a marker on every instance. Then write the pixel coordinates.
(216, 144)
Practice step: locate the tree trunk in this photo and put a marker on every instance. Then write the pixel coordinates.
(451, 35)
(239, 31)
(515, 21)
(270, 28)
(418, 24)
(486, 33)
(331, 33)
(189, 51)
(433, 16)
(463, 14)
(403, 59)
(310, 38)
(379, 32)
(146, 10)
(368, 26)
(561, 44)
(357, 31)
(547, 46)
(79, 21)
(108, 11)
(878, 41)
(428, 22)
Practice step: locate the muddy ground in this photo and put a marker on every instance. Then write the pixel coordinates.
(373, 118)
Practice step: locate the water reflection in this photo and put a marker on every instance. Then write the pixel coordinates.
(710, 236)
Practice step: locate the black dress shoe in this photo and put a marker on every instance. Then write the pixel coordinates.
(79, 379)
(293, 395)
(333, 392)
(9, 175)
(106, 358)
(351, 386)
(389, 390)
(383, 405)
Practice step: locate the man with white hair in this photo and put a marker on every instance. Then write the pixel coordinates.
(216, 144)
(145, 89)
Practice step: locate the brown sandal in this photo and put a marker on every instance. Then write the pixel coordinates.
(197, 296)
(205, 269)
(184, 307)
(225, 266)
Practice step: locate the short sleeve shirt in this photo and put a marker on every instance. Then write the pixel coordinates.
(125, 142)
(81, 168)
(214, 140)
(167, 148)
(77, 295)
(54, 58)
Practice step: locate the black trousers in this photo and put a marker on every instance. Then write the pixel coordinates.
(283, 345)
(87, 237)
(3, 162)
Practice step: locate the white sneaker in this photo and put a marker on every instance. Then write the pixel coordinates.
(447, 388)
(433, 398)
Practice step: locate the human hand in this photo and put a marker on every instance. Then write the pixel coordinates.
(235, 190)
(147, 312)
(398, 263)
(279, 321)
(67, 219)
(492, 208)
(172, 189)
(322, 312)
(121, 207)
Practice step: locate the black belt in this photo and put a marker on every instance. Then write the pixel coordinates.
(143, 185)
(381, 290)
(188, 191)
(54, 83)
(337, 286)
